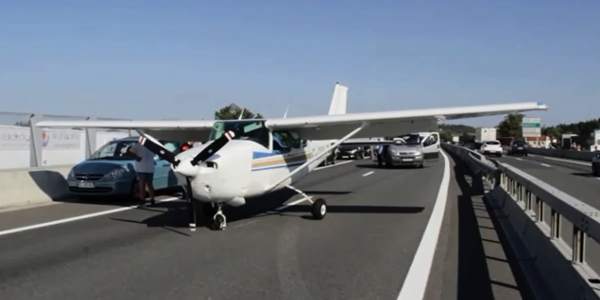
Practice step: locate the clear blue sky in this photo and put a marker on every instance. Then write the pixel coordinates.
(187, 58)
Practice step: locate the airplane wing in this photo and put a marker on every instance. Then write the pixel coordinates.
(178, 130)
(391, 123)
(388, 123)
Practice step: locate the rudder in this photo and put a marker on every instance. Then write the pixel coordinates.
(339, 100)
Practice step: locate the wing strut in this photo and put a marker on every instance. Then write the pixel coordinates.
(314, 158)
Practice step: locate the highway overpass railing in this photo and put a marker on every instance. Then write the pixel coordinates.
(550, 232)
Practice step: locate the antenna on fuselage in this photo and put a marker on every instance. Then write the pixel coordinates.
(286, 110)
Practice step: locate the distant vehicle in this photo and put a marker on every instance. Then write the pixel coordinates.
(412, 150)
(350, 151)
(596, 164)
(491, 147)
(110, 171)
(485, 134)
(505, 142)
(518, 147)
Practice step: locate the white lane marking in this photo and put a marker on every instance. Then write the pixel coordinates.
(564, 160)
(545, 165)
(77, 218)
(518, 158)
(415, 283)
(336, 164)
(368, 173)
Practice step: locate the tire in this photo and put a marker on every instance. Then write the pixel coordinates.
(319, 209)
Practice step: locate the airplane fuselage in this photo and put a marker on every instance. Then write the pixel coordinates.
(244, 169)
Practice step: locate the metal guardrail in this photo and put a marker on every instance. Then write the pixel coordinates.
(551, 265)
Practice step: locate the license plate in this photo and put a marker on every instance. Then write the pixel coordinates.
(520, 148)
(407, 159)
(86, 185)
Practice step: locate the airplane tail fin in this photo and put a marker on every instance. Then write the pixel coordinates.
(339, 99)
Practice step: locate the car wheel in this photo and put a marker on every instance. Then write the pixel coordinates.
(134, 194)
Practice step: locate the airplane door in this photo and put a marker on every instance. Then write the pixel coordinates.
(431, 146)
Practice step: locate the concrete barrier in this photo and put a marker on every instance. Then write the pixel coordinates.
(21, 188)
(566, 154)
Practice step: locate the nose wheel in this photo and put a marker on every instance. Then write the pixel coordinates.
(219, 220)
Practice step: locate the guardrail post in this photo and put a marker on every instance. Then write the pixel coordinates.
(539, 212)
(528, 200)
(578, 245)
(554, 224)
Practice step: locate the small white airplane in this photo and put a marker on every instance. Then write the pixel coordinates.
(248, 158)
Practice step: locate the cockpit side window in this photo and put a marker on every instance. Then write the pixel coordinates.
(280, 142)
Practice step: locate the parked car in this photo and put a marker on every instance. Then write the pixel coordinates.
(110, 171)
(518, 147)
(351, 152)
(596, 164)
(491, 147)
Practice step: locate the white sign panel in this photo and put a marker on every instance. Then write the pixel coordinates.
(61, 139)
(532, 127)
(14, 138)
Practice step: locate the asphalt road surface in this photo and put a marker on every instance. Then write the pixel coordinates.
(363, 249)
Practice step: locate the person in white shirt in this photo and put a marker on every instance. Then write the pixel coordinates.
(144, 167)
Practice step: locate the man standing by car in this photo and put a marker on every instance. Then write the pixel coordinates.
(379, 155)
(144, 168)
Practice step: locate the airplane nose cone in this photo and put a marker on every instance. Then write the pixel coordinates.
(186, 168)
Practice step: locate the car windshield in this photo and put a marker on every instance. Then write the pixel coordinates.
(520, 143)
(118, 150)
(493, 143)
(412, 139)
(347, 148)
(253, 130)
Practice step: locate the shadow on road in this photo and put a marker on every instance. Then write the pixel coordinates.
(474, 280)
(173, 215)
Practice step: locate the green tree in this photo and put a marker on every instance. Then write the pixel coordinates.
(233, 111)
(511, 126)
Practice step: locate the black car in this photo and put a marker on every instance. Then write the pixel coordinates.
(351, 152)
(518, 147)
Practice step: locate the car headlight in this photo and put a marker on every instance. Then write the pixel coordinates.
(116, 174)
(71, 174)
(352, 151)
(417, 153)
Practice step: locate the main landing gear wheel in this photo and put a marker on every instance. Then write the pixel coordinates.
(319, 209)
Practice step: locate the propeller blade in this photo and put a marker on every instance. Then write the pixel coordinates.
(157, 148)
(213, 148)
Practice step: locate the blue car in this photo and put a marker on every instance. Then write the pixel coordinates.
(110, 171)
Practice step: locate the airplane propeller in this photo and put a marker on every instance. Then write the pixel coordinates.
(159, 149)
(188, 169)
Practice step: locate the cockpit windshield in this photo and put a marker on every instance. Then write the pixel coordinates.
(244, 130)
